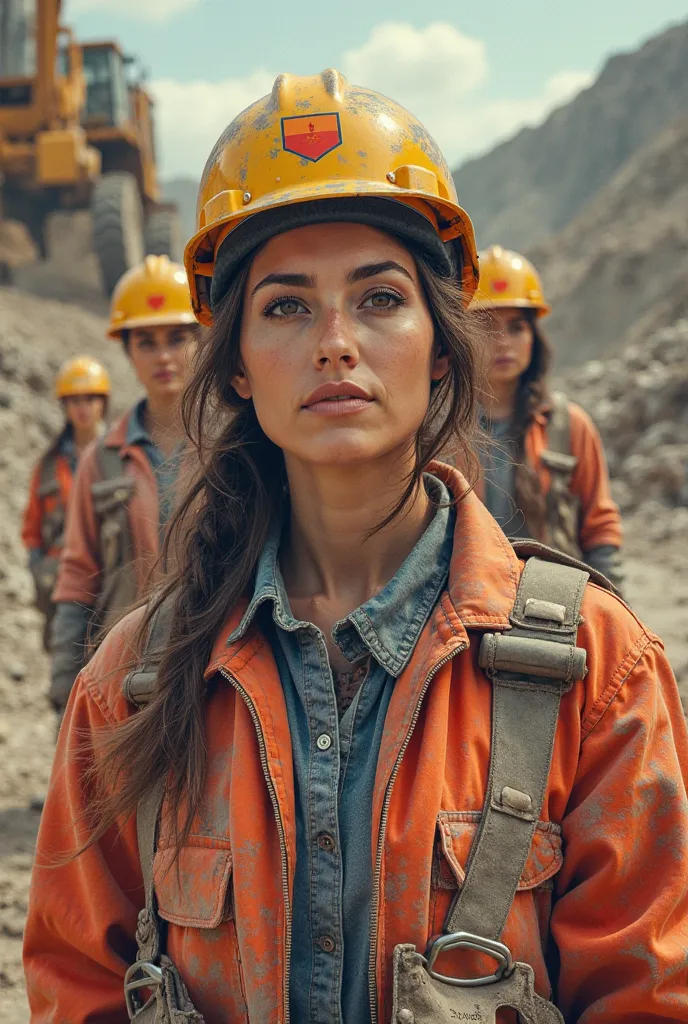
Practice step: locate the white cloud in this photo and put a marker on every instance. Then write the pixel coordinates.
(400, 60)
(190, 116)
(437, 72)
(143, 10)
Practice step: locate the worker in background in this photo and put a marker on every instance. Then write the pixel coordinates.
(545, 476)
(365, 729)
(83, 390)
(123, 491)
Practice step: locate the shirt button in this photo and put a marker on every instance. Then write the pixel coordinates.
(326, 943)
(326, 842)
(324, 741)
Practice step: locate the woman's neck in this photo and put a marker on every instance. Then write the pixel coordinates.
(81, 438)
(329, 557)
(499, 399)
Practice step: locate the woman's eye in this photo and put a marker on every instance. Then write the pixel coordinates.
(284, 307)
(383, 300)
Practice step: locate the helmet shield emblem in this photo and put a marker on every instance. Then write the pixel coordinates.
(311, 136)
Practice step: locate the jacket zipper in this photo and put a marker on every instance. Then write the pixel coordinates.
(280, 829)
(375, 901)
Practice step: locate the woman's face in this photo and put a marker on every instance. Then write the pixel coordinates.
(160, 357)
(511, 348)
(337, 344)
(84, 412)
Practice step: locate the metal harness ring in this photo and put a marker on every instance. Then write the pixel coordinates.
(149, 976)
(466, 940)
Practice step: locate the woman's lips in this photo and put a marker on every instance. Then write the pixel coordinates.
(337, 398)
(338, 406)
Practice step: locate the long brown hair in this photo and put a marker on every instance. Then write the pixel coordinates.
(216, 538)
(533, 392)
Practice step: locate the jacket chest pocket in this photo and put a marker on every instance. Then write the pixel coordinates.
(195, 898)
(528, 924)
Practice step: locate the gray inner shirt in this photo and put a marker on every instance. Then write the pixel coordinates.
(499, 472)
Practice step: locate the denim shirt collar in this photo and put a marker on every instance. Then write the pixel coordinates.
(136, 430)
(389, 624)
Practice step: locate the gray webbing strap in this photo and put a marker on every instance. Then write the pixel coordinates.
(138, 687)
(530, 666)
(559, 425)
(109, 462)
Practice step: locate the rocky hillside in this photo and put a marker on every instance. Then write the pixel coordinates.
(619, 270)
(534, 184)
(639, 400)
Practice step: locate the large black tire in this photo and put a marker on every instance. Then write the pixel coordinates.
(163, 233)
(117, 225)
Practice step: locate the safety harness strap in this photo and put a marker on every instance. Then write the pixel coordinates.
(531, 667)
(138, 687)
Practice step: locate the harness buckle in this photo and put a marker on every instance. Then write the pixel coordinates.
(141, 974)
(466, 940)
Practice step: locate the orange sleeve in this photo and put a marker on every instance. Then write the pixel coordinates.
(600, 517)
(33, 515)
(621, 920)
(78, 577)
(79, 937)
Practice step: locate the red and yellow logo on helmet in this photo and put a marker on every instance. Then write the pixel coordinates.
(311, 136)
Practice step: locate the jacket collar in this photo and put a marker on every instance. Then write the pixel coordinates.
(389, 623)
(483, 580)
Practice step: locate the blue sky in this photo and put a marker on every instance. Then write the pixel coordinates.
(473, 72)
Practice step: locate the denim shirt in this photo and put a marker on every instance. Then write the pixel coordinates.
(335, 761)
(165, 469)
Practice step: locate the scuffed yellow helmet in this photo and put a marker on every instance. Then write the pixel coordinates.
(82, 376)
(508, 279)
(350, 153)
(154, 292)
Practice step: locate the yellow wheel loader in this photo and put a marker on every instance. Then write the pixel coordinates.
(76, 132)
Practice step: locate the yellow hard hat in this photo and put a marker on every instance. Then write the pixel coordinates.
(154, 292)
(350, 154)
(508, 279)
(82, 376)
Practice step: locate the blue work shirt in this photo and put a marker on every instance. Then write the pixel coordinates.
(335, 760)
(165, 468)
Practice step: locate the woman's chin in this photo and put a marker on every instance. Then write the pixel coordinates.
(345, 452)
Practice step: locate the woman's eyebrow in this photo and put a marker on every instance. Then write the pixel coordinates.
(290, 280)
(372, 269)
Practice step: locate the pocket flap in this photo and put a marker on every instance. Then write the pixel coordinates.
(560, 462)
(457, 830)
(47, 490)
(108, 494)
(193, 892)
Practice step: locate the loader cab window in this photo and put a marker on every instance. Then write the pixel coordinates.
(106, 90)
(17, 38)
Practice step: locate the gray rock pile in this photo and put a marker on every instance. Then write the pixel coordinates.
(639, 401)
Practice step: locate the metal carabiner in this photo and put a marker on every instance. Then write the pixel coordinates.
(150, 976)
(465, 940)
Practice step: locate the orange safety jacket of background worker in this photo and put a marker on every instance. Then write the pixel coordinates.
(79, 577)
(603, 900)
(600, 519)
(39, 507)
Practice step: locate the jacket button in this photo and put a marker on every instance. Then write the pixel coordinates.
(326, 842)
(326, 943)
(324, 742)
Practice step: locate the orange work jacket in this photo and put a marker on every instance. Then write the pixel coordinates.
(601, 911)
(39, 506)
(79, 576)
